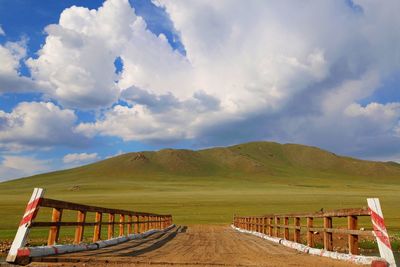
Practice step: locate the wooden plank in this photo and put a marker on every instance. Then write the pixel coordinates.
(97, 227)
(286, 230)
(111, 220)
(342, 231)
(49, 224)
(328, 241)
(54, 230)
(136, 224)
(264, 225)
(270, 227)
(52, 203)
(80, 228)
(277, 228)
(321, 214)
(296, 235)
(129, 224)
(310, 233)
(352, 239)
(121, 225)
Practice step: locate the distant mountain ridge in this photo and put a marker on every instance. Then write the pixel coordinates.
(255, 158)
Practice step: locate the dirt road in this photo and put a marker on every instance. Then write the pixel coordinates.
(201, 245)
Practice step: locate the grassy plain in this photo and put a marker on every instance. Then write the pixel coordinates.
(209, 186)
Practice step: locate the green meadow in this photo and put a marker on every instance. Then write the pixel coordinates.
(209, 186)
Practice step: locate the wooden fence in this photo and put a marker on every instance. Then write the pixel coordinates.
(290, 226)
(128, 223)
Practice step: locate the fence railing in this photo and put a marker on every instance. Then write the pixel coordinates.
(290, 226)
(128, 222)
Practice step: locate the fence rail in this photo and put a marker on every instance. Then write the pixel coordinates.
(128, 222)
(136, 222)
(289, 226)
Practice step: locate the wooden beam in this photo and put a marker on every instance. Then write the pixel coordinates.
(129, 224)
(310, 233)
(270, 227)
(352, 239)
(97, 227)
(286, 231)
(80, 229)
(296, 236)
(277, 228)
(328, 241)
(54, 230)
(121, 225)
(52, 203)
(111, 220)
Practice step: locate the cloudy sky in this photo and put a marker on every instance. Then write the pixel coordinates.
(85, 80)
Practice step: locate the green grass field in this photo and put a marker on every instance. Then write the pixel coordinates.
(209, 186)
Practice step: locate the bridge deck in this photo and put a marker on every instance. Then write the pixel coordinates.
(193, 246)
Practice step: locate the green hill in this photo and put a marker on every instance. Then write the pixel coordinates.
(208, 186)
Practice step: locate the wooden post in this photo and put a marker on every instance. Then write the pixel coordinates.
(54, 230)
(277, 228)
(353, 239)
(121, 225)
(129, 224)
(264, 222)
(310, 233)
(270, 227)
(97, 227)
(80, 228)
(328, 242)
(257, 224)
(136, 224)
(286, 233)
(111, 220)
(296, 236)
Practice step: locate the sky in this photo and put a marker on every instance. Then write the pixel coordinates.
(82, 81)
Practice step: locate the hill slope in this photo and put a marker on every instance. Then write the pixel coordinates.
(256, 158)
(208, 186)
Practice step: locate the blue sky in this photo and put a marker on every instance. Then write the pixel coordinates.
(85, 80)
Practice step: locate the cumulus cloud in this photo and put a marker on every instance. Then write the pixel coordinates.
(37, 124)
(280, 70)
(2, 31)
(11, 81)
(80, 158)
(283, 70)
(12, 166)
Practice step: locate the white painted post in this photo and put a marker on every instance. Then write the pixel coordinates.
(23, 230)
(380, 232)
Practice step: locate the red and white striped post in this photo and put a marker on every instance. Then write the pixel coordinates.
(380, 232)
(23, 230)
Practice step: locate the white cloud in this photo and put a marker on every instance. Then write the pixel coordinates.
(19, 166)
(77, 60)
(11, 80)
(80, 158)
(2, 31)
(291, 71)
(37, 124)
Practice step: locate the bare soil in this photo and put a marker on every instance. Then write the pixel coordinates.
(199, 245)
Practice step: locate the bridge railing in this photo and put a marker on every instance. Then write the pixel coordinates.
(290, 226)
(301, 228)
(127, 222)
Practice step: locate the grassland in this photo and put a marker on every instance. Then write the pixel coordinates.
(209, 186)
